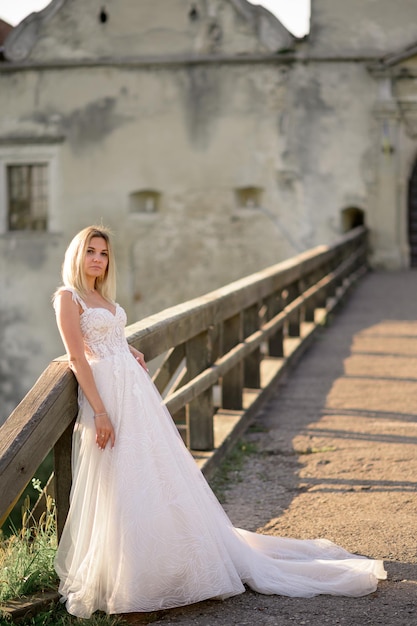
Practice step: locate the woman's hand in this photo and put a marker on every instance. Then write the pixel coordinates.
(104, 430)
(140, 358)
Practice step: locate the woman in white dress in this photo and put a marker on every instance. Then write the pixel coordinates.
(144, 530)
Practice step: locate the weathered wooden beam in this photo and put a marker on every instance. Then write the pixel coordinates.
(199, 411)
(232, 383)
(224, 364)
(32, 429)
(294, 319)
(274, 304)
(63, 476)
(252, 363)
(163, 376)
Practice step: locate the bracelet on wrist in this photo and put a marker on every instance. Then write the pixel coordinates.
(99, 414)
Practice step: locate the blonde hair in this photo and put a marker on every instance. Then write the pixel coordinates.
(73, 265)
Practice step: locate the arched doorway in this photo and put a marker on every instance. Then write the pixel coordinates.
(351, 218)
(412, 216)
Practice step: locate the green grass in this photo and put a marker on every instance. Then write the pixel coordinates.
(230, 468)
(27, 568)
(58, 616)
(27, 555)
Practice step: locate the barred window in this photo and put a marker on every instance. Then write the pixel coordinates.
(27, 196)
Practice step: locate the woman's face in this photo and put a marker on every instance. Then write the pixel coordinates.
(96, 258)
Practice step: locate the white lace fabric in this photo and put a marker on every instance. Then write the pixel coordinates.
(145, 531)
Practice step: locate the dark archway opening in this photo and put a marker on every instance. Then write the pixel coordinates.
(412, 216)
(351, 218)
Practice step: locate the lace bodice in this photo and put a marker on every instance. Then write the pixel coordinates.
(103, 332)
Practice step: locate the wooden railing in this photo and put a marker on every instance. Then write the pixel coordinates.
(217, 355)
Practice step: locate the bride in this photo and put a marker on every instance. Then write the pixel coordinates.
(144, 530)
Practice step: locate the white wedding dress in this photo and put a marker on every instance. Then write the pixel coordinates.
(145, 531)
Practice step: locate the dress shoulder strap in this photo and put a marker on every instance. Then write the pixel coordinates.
(75, 296)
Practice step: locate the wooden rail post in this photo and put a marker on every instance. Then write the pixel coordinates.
(274, 304)
(62, 476)
(163, 377)
(340, 256)
(199, 414)
(294, 318)
(309, 306)
(321, 298)
(232, 385)
(252, 365)
(309, 311)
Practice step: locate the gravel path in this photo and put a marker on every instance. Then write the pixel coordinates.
(334, 455)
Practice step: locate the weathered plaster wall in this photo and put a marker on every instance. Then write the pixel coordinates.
(166, 130)
(331, 142)
(361, 27)
(119, 131)
(29, 267)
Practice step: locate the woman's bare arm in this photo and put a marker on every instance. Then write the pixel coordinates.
(68, 320)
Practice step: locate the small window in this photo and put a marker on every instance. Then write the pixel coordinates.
(27, 196)
(248, 197)
(146, 201)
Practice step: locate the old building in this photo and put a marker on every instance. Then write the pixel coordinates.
(210, 140)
